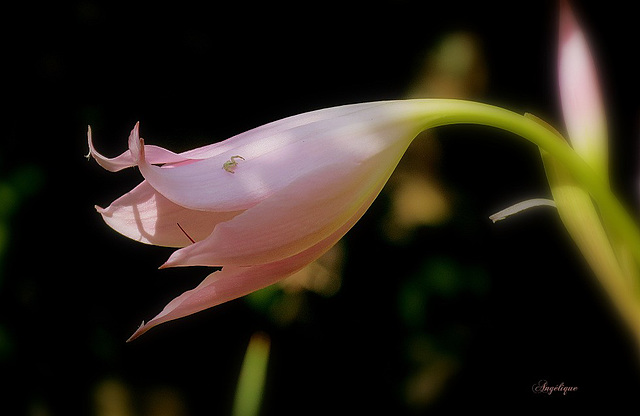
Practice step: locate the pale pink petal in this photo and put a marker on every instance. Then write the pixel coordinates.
(154, 154)
(275, 157)
(234, 282)
(295, 218)
(145, 215)
(159, 155)
(267, 130)
(580, 93)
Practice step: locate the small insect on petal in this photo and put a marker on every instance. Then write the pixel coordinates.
(231, 164)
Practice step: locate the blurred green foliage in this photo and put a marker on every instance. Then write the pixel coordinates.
(20, 184)
(14, 189)
(438, 280)
(434, 303)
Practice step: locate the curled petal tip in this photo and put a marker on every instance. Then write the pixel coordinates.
(111, 164)
(178, 259)
(172, 261)
(92, 150)
(88, 155)
(136, 144)
(141, 330)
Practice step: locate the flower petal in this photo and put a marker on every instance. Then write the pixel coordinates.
(580, 93)
(303, 213)
(154, 154)
(145, 215)
(276, 156)
(271, 129)
(159, 155)
(234, 282)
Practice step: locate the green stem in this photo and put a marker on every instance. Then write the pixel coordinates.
(467, 112)
(252, 378)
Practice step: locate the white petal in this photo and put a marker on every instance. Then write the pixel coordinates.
(521, 206)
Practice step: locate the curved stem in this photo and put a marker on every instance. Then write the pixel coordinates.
(467, 112)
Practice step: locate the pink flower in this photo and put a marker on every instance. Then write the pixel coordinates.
(582, 106)
(580, 94)
(267, 202)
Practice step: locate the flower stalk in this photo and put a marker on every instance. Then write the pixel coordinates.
(613, 212)
(608, 236)
(538, 133)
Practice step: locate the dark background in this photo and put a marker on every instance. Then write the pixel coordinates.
(72, 290)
